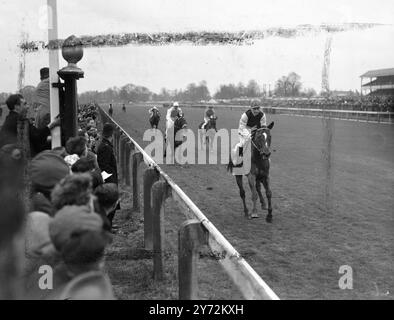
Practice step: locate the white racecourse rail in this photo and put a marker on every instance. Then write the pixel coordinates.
(251, 285)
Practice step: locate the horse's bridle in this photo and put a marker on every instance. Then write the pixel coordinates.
(261, 152)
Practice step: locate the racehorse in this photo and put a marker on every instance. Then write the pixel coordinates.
(154, 119)
(259, 172)
(208, 133)
(179, 123)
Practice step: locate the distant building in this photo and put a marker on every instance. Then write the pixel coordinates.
(381, 82)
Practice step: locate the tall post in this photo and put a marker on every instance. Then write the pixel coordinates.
(160, 192)
(127, 165)
(53, 67)
(150, 177)
(191, 237)
(137, 158)
(72, 52)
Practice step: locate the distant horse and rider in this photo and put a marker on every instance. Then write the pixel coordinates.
(154, 117)
(175, 122)
(208, 130)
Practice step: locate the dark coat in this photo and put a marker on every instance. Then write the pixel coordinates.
(38, 137)
(106, 160)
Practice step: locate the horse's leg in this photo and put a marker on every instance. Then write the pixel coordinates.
(268, 193)
(242, 194)
(258, 188)
(202, 140)
(252, 185)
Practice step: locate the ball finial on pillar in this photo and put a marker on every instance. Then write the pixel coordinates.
(72, 52)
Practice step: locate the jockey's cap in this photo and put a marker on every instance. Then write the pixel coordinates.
(255, 103)
(175, 104)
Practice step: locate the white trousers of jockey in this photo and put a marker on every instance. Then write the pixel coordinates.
(254, 117)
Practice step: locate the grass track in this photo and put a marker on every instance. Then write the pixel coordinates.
(323, 218)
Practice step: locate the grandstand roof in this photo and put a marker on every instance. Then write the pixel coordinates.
(378, 73)
(381, 81)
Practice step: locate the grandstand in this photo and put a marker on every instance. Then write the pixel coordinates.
(381, 82)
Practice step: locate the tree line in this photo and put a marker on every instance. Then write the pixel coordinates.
(286, 86)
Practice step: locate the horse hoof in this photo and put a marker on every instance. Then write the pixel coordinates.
(268, 218)
(255, 215)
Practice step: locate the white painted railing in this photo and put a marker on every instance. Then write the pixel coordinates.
(196, 232)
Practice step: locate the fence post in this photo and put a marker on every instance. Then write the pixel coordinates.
(191, 237)
(127, 160)
(122, 160)
(160, 191)
(151, 175)
(119, 136)
(116, 144)
(137, 159)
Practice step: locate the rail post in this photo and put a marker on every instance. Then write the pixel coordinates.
(137, 158)
(160, 192)
(127, 160)
(122, 160)
(150, 177)
(116, 143)
(191, 237)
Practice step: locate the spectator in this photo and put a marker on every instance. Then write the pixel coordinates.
(76, 147)
(46, 170)
(105, 154)
(88, 165)
(74, 189)
(17, 110)
(42, 118)
(78, 236)
(108, 199)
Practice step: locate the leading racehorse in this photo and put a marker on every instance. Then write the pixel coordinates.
(259, 171)
(208, 132)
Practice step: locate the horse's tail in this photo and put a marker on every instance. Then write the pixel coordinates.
(230, 165)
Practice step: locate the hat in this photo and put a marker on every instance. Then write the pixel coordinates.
(108, 130)
(44, 73)
(47, 169)
(70, 221)
(255, 103)
(175, 104)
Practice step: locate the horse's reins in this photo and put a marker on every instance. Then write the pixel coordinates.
(259, 150)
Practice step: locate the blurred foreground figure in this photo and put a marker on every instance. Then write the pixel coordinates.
(11, 221)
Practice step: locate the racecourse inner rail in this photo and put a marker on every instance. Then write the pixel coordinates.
(195, 232)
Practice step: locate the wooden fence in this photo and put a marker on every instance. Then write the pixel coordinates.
(195, 232)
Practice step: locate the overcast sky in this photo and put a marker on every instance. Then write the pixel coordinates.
(175, 66)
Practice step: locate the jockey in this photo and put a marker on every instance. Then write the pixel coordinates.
(253, 118)
(172, 114)
(209, 112)
(153, 110)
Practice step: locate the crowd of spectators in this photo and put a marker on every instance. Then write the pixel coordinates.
(68, 224)
(356, 103)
